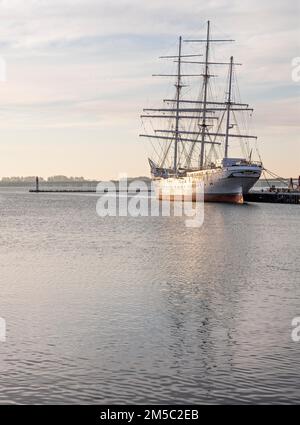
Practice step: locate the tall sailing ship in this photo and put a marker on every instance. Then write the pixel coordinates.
(194, 146)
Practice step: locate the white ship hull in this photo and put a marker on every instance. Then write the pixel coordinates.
(189, 167)
(228, 184)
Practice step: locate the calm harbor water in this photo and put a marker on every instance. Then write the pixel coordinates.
(146, 310)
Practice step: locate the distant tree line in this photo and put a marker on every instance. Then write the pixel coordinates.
(52, 179)
(56, 179)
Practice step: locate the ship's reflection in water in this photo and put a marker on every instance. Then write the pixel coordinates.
(137, 310)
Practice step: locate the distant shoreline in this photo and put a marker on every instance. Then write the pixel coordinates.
(92, 184)
(31, 181)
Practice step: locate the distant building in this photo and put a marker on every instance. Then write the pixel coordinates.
(20, 179)
(60, 178)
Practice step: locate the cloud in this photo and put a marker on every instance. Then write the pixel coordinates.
(88, 63)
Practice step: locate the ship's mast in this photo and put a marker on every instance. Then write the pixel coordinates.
(204, 102)
(202, 111)
(228, 106)
(205, 78)
(178, 88)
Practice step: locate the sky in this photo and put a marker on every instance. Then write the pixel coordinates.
(76, 74)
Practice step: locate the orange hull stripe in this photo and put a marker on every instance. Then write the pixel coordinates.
(230, 198)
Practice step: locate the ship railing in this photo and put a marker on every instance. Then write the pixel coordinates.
(248, 163)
